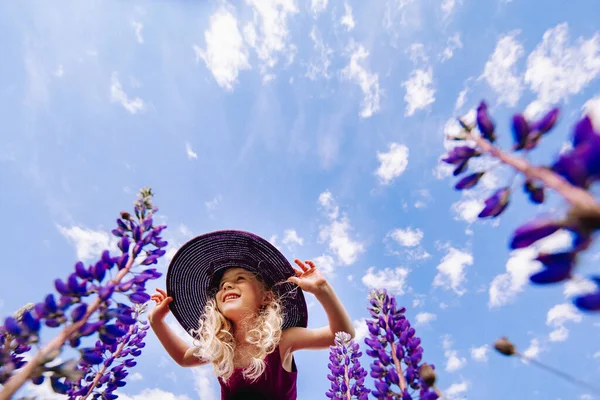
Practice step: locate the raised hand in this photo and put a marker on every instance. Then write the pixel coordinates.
(160, 311)
(308, 278)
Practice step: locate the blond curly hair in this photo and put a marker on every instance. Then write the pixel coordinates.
(214, 340)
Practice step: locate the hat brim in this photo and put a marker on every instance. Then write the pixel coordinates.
(191, 277)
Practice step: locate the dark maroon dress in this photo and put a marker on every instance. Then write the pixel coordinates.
(274, 384)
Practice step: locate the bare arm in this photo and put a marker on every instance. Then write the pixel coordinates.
(298, 338)
(177, 348)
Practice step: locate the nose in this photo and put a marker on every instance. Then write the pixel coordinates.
(228, 285)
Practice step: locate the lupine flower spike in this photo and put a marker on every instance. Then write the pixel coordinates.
(94, 300)
(397, 352)
(571, 176)
(347, 376)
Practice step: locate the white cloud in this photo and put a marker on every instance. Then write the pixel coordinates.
(462, 98)
(416, 53)
(190, 153)
(424, 318)
(457, 391)
(329, 205)
(213, 204)
(117, 95)
(558, 316)
(369, 82)
(556, 70)
(394, 280)
(500, 71)
(480, 354)
(420, 91)
(591, 108)
(136, 376)
(137, 27)
(534, 349)
(596, 355)
(578, 286)
(467, 209)
(326, 264)
(318, 6)
(337, 232)
(348, 19)
(203, 383)
(89, 244)
(505, 287)
(290, 238)
(59, 71)
(393, 163)
(318, 67)
(152, 394)
(361, 329)
(407, 237)
(451, 271)
(453, 361)
(453, 43)
(225, 54)
(270, 16)
(448, 7)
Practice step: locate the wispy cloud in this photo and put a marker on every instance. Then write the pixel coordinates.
(357, 72)
(500, 71)
(118, 95)
(348, 19)
(392, 163)
(137, 27)
(394, 280)
(420, 90)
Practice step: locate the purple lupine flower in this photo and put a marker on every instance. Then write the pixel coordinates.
(591, 301)
(484, 123)
(496, 204)
(536, 193)
(521, 130)
(84, 300)
(557, 267)
(347, 375)
(469, 181)
(103, 369)
(581, 165)
(393, 344)
(533, 231)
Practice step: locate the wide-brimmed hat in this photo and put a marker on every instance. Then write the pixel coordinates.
(197, 267)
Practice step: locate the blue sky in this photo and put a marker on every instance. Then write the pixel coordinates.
(318, 125)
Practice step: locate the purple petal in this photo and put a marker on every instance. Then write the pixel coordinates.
(139, 297)
(533, 231)
(106, 291)
(12, 326)
(584, 130)
(547, 122)
(81, 270)
(469, 181)
(50, 304)
(571, 166)
(32, 323)
(484, 123)
(99, 271)
(124, 244)
(61, 287)
(78, 312)
(496, 204)
(520, 131)
(588, 302)
(555, 274)
(462, 167)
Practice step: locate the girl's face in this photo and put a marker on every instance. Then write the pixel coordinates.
(240, 294)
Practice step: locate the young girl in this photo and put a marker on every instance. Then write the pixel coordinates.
(238, 296)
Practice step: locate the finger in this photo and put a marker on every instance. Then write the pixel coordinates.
(301, 265)
(298, 273)
(312, 264)
(293, 279)
(155, 297)
(158, 296)
(161, 291)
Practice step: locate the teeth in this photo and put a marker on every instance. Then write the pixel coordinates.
(231, 296)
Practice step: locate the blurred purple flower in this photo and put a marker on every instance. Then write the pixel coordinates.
(485, 123)
(496, 204)
(347, 375)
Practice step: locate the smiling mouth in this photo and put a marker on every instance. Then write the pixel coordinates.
(230, 297)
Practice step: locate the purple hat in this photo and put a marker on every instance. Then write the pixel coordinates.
(197, 267)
